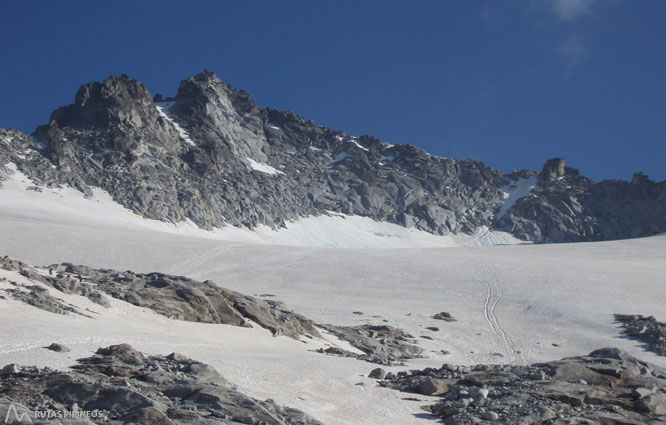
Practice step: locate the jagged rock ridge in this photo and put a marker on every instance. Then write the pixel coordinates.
(211, 155)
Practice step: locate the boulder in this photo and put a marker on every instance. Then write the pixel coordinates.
(653, 404)
(447, 317)
(58, 348)
(433, 386)
(377, 373)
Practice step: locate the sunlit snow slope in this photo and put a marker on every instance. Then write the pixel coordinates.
(513, 304)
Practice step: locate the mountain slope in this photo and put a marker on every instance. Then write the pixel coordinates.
(210, 155)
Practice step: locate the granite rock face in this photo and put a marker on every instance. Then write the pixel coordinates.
(567, 207)
(119, 385)
(211, 155)
(608, 386)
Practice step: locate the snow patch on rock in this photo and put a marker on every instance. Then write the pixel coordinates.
(515, 191)
(264, 168)
(163, 109)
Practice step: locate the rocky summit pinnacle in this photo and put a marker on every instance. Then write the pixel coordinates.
(211, 155)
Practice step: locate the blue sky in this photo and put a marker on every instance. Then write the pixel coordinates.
(509, 83)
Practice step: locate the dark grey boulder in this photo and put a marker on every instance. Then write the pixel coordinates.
(58, 348)
(447, 317)
(653, 404)
(377, 373)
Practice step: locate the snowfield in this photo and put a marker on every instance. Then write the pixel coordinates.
(513, 303)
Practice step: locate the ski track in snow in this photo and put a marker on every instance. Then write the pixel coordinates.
(494, 293)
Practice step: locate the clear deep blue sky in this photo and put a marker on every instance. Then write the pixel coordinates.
(509, 83)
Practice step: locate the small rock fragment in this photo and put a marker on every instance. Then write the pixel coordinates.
(58, 348)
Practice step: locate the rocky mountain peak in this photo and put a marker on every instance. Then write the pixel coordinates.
(553, 169)
(115, 100)
(207, 88)
(113, 90)
(207, 73)
(640, 178)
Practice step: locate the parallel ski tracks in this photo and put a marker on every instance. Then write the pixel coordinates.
(494, 294)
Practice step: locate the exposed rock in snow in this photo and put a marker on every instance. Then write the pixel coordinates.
(121, 385)
(592, 389)
(645, 329)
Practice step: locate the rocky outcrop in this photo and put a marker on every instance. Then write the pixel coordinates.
(39, 297)
(644, 329)
(553, 170)
(180, 298)
(211, 155)
(119, 385)
(567, 207)
(608, 386)
(380, 344)
(63, 283)
(176, 297)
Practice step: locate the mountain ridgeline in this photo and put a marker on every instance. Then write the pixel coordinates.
(211, 155)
